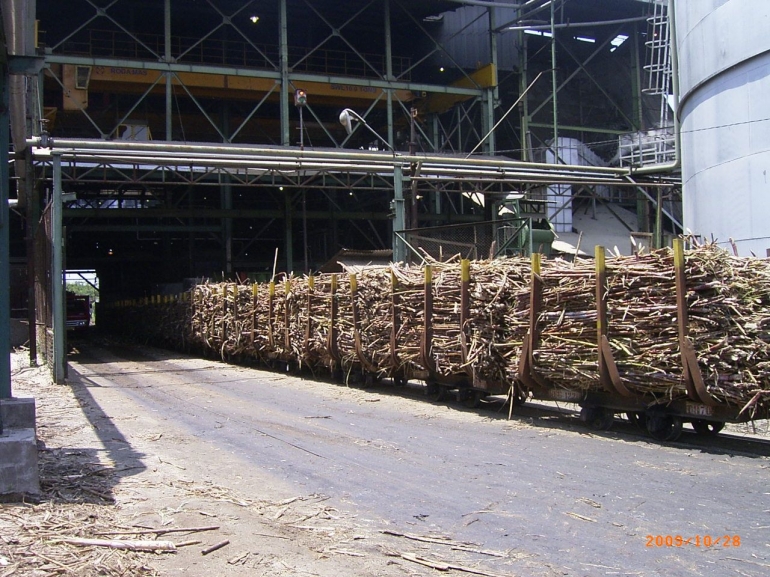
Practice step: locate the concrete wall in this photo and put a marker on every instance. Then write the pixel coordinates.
(724, 60)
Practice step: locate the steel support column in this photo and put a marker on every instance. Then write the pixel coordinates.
(389, 69)
(57, 284)
(227, 224)
(169, 76)
(488, 121)
(288, 224)
(523, 83)
(554, 87)
(491, 94)
(399, 222)
(5, 247)
(636, 81)
(284, 96)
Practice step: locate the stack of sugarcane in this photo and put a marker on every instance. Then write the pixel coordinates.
(204, 325)
(319, 308)
(565, 353)
(259, 322)
(300, 307)
(345, 341)
(375, 319)
(235, 322)
(728, 325)
(729, 309)
(448, 358)
(408, 296)
(279, 345)
(297, 321)
(642, 323)
(728, 302)
(499, 317)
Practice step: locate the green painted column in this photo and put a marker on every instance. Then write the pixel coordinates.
(57, 283)
(5, 247)
(399, 222)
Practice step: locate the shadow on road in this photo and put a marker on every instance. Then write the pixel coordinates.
(78, 474)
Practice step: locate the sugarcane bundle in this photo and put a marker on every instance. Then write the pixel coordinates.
(446, 351)
(205, 328)
(319, 318)
(729, 324)
(499, 317)
(233, 307)
(281, 308)
(345, 342)
(642, 323)
(566, 353)
(374, 309)
(408, 294)
(297, 320)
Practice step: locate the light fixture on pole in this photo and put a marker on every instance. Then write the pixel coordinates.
(300, 101)
(347, 117)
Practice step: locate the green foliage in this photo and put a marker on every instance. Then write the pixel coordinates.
(83, 289)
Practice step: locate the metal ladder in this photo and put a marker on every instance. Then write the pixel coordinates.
(658, 65)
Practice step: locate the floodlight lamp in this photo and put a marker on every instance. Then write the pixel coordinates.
(346, 120)
(300, 98)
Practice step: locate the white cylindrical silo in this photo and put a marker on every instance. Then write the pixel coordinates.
(724, 78)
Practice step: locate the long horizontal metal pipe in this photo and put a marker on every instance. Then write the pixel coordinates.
(573, 24)
(528, 180)
(432, 173)
(82, 157)
(192, 151)
(487, 3)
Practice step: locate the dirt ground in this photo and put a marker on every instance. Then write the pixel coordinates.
(149, 490)
(109, 474)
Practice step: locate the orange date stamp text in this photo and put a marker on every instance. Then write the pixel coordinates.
(706, 541)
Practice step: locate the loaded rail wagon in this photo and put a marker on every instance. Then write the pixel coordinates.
(667, 337)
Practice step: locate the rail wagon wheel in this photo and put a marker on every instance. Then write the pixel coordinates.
(435, 392)
(368, 381)
(598, 418)
(707, 428)
(473, 399)
(664, 427)
(401, 381)
(354, 378)
(637, 419)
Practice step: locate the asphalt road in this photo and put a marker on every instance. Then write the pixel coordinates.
(572, 501)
